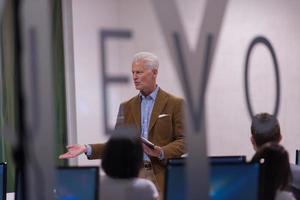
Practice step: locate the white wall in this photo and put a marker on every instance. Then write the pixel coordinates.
(227, 118)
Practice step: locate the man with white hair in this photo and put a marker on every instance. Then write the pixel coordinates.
(157, 115)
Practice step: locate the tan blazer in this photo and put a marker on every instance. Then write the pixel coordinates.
(165, 128)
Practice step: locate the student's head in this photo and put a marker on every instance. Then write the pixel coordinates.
(122, 157)
(144, 72)
(264, 128)
(275, 170)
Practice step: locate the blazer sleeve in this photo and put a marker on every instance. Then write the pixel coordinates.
(97, 151)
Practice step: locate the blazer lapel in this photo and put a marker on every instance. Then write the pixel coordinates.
(136, 111)
(160, 102)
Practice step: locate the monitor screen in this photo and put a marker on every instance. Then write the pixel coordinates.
(297, 157)
(175, 186)
(234, 181)
(72, 183)
(228, 181)
(2, 181)
(77, 183)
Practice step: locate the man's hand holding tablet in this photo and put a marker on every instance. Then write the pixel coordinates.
(147, 142)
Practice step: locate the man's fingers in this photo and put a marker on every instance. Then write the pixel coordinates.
(67, 155)
(63, 156)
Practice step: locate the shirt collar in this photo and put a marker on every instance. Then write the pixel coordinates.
(152, 95)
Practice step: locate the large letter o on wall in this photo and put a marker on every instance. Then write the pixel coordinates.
(254, 42)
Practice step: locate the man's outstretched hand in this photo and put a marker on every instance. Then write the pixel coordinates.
(74, 150)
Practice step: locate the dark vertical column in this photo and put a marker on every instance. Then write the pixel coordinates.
(36, 75)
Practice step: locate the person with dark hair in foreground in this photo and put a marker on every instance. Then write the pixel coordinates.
(275, 172)
(265, 128)
(122, 160)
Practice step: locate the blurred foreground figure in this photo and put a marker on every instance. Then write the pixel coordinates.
(122, 161)
(265, 128)
(275, 172)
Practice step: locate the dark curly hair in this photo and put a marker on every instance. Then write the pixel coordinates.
(122, 157)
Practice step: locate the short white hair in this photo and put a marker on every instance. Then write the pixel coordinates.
(151, 60)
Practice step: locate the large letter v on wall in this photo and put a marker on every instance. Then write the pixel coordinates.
(193, 67)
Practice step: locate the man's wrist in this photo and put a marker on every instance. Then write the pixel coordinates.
(85, 148)
(88, 150)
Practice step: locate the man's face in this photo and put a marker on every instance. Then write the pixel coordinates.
(144, 79)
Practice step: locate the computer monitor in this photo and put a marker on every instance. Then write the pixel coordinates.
(72, 183)
(77, 183)
(3, 181)
(175, 180)
(298, 157)
(234, 181)
(228, 181)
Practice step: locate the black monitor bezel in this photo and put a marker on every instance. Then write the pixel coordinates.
(4, 164)
(297, 157)
(228, 159)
